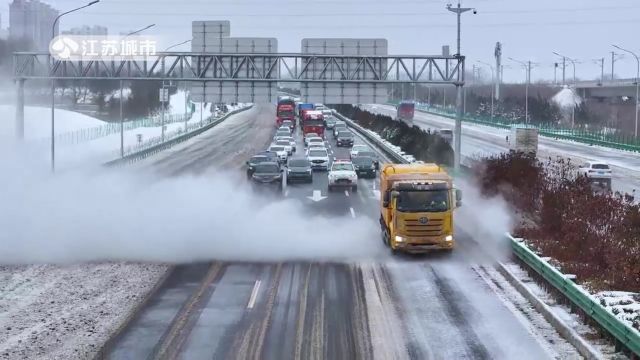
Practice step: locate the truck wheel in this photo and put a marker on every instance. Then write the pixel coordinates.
(354, 188)
(330, 188)
(383, 235)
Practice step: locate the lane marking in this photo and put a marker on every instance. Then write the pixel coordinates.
(353, 212)
(377, 194)
(346, 192)
(254, 294)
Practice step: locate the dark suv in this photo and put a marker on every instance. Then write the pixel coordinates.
(344, 138)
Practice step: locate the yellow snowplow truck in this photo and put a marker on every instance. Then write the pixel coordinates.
(417, 203)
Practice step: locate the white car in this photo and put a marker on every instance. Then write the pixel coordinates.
(595, 170)
(308, 136)
(319, 158)
(327, 113)
(290, 139)
(343, 174)
(315, 141)
(280, 151)
(316, 146)
(286, 144)
(283, 128)
(358, 147)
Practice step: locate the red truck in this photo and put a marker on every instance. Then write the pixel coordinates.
(312, 121)
(406, 111)
(285, 111)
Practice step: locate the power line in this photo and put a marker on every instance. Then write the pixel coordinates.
(382, 27)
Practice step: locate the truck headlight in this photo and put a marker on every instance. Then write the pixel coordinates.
(399, 238)
(448, 238)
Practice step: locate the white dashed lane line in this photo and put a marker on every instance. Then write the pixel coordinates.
(346, 192)
(353, 212)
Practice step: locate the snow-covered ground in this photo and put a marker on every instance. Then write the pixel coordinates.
(624, 305)
(103, 148)
(68, 312)
(37, 124)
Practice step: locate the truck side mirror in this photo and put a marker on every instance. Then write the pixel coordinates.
(385, 199)
(394, 194)
(458, 198)
(247, 163)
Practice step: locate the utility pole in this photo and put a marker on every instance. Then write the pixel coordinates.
(498, 78)
(492, 80)
(53, 87)
(121, 94)
(613, 63)
(458, 129)
(527, 66)
(637, 84)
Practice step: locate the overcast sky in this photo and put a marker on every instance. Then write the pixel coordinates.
(529, 30)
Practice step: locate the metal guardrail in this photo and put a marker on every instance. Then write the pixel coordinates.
(390, 152)
(622, 332)
(143, 154)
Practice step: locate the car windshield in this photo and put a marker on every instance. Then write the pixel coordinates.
(316, 140)
(258, 159)
(600, 166)
(345, 134)
(277, 148)
(318, 153)
(287, 123)
(267, 169)
(367, 153)
(310, 135)
(446, 132)
(363, 161)
(299, 163)
(423, 201)
(283, 142)
(342, 167)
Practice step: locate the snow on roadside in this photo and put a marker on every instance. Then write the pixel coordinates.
(624, 305)
(37, 122)
(68, 312)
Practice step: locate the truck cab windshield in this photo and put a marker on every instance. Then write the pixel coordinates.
(423, 201)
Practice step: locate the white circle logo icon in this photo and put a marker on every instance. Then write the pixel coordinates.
(63, 47)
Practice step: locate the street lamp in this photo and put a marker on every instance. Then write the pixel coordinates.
(458, 10)
(637, 83)
(492, 81)
(185, 94)
(53, 86)
(122, 95)
(573, 62)
(527, 66)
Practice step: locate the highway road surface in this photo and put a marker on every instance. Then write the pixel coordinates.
(479, 140)
(440, 306)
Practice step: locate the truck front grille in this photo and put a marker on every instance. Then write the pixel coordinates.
(434, 227)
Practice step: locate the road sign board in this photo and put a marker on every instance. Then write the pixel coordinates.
(230, 91)
(354, 69)
(164, 95)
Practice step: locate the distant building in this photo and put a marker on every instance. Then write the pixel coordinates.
(87, 30)
(32, 20)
